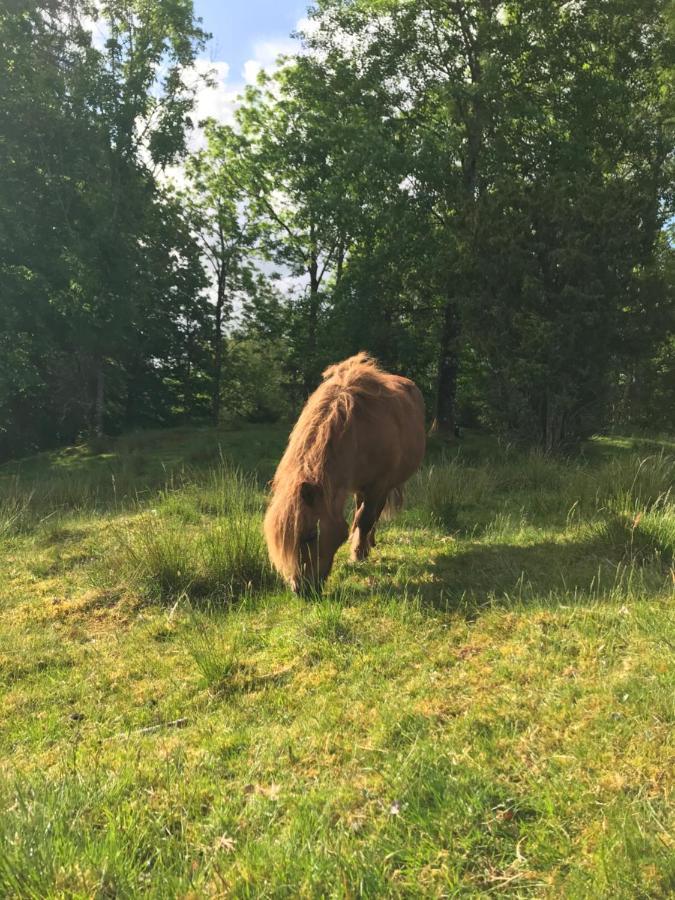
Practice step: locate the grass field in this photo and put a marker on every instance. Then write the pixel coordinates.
(484, 708)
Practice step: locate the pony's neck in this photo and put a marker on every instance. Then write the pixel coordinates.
(336, 503)
(334, 480)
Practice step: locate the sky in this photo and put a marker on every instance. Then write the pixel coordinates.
(241, 29)
(247, 35)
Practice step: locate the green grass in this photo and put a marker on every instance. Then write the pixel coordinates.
(203, 540)
(484, 708)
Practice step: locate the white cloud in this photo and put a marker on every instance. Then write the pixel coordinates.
(99, 30)
(265, 56)
(220, 100)
(250, 71)
(216, 97)
(307, 26)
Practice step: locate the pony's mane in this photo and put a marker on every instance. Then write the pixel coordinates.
(325, 417)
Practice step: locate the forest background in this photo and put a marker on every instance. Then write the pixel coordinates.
(479, 193)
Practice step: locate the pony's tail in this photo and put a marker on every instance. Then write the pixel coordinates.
(394, 503)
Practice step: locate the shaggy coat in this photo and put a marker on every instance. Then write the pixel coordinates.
(361, 432)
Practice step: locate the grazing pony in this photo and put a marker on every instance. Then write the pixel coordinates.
(361, 432)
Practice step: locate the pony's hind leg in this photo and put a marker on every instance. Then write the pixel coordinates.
(363, 529)
(359, 500)
(393, 503)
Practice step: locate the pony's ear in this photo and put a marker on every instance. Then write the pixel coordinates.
(309, 492)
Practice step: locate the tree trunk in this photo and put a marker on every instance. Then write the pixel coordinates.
(448, 370)
(218, 351)
(339, 262)
(188, 399)
(312, 326)
(99, 401)
(131, 395)
(471, 112)
(553, 432)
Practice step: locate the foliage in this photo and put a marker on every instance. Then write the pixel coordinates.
(537, 140)
(218, 214)
(478, 193)
(100, 279)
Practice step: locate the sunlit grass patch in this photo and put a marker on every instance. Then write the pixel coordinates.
(42, 655)
(179, 506)
(327, 621)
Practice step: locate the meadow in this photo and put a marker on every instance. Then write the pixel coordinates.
(483, 708)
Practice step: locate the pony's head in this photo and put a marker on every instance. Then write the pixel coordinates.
(303, 532)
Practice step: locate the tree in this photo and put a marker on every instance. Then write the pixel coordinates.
(220, 216)
(91, 248)
(142, 118)
(522, 125)
(294, 194)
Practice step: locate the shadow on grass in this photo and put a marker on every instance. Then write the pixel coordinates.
(609, 562)
(152, 453)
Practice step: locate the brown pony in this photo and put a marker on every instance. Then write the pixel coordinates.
(361, 432)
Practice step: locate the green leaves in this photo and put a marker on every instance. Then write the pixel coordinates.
(111, 273)
(525, 133)
(473, 191)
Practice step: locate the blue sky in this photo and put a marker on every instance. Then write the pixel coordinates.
(247, 35)
(243, 28)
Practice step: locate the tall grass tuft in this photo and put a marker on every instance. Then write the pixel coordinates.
(15, 514)
(441, 490)
(216, 655)
(647, 536)
(221, 556)
(451, 494)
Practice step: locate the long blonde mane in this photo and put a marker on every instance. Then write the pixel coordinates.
(308, 457)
